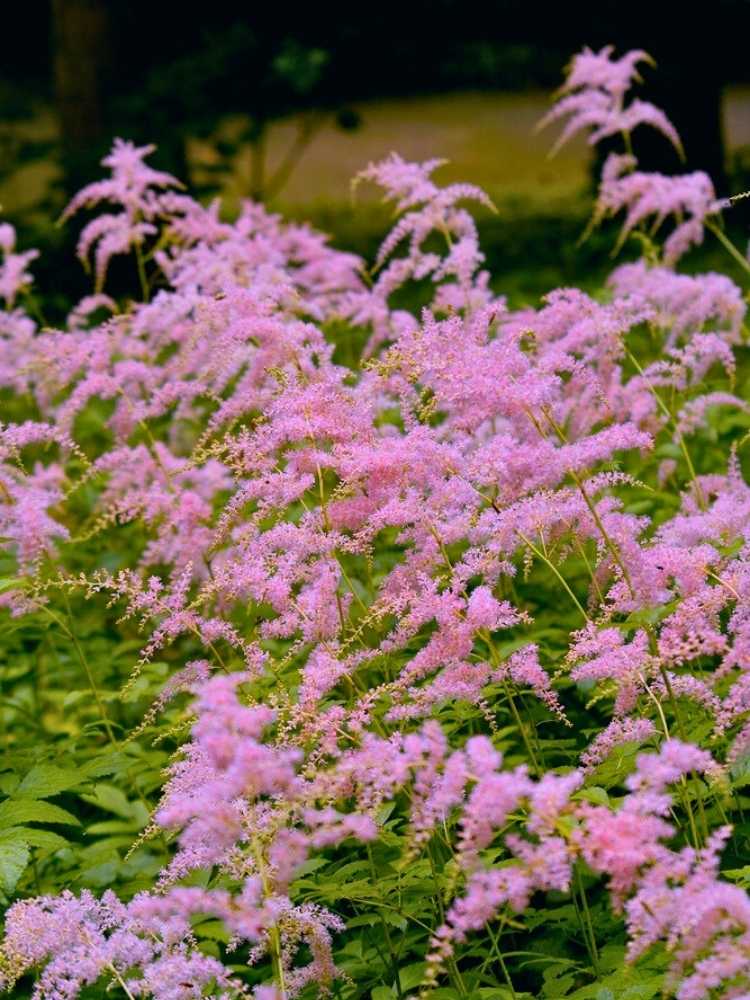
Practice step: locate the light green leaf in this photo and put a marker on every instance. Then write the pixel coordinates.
(106, 764)
(46, 780)
(741, 875)
(112, 826)
(14, 856)
(410, 976)
(213, 929)
(15, 811)
(596, 794)
(45, 840)
(112, 800)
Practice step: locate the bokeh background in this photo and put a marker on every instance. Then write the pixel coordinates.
(287, 102)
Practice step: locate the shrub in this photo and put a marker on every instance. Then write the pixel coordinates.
(441, 653)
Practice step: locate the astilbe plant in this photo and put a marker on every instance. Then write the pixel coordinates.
(405, 624)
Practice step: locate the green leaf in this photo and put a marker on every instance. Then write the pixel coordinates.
(113, 826)
(628, 983)
(215, 930)
(412, 975)
(364, 920)
(741, 875)
(113, 800)
(596, 795)
(617, 766)
(15, 811)
(46, 780)
(739, 772)
(45, 840)
(107, 764)
(14, 856)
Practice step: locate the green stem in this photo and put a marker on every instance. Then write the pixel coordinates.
(522, 728)
(731, 249)
(120, 980)
(684, 788)
(670, 418)
(453, 970)
(143, 280)
(589, 923)
(67, 630)
(495, 938)
(612, 548)
(556, 572)
(386, 930)
(274, 937)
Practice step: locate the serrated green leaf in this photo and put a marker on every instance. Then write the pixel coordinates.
(111, 799)
(596, 794)
(364, 920)
(104, 765)
(410, 976)
(14, 856)
(46, 840)
(741, 875)
(113, 826)
(16, 811)
(46, 780)
(215, 930)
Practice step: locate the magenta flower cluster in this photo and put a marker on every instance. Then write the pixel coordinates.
(348, 548)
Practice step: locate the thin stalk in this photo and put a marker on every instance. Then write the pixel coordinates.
(612, 548)
(120, 980)
(453, 970)
(731, 249)
(143, 280)
(582, 927)
(683, 780)
(386, 931)
(495, 660)
(556, 572)
(349, 583)
(590, 568)
(274, 937)
(495, 938)
(87, 669)
(683, 783)
(522, 728)
(680, 439)
(587, 914)
(727, 586)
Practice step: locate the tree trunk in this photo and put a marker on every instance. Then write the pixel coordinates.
(81, 57)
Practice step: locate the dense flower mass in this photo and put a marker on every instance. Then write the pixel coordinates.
(445, 644)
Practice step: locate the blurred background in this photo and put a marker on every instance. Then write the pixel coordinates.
(286, 103)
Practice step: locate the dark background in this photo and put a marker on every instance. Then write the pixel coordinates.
(158, 71)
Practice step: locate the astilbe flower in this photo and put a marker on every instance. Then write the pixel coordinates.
(134, 185)
(82, 939)
(688, 197)
(427, 209)
(14, 277)
(592, 98)
(683, 304)
(605, 655)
